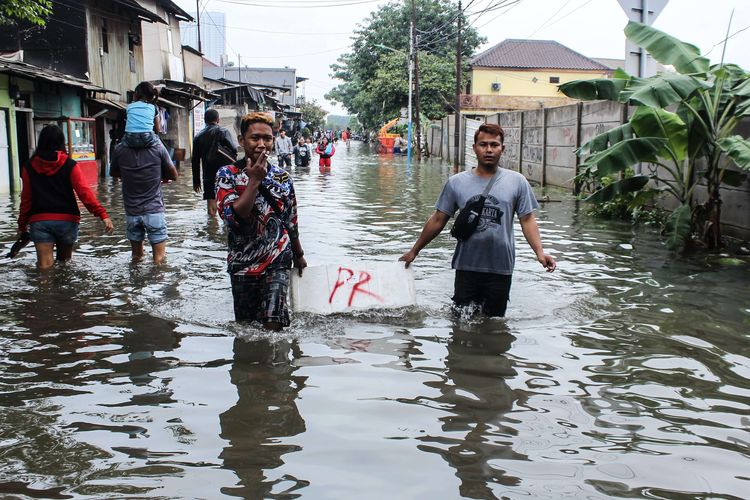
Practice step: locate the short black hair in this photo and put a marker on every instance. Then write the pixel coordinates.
(211, 116)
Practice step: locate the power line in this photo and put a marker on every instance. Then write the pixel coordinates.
(307, 4)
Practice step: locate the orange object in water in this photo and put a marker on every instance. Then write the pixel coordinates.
(386, 140)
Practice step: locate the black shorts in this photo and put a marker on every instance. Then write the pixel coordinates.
(488, 290)
(261, 298)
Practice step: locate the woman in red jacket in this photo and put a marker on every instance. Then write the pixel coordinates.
(49, 210)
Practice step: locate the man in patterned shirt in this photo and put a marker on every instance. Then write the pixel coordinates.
(257, 203)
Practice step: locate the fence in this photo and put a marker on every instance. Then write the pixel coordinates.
(541, 144)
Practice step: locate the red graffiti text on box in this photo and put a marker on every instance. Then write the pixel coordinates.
(357, 280)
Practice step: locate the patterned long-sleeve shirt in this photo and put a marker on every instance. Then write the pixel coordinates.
(264, 240)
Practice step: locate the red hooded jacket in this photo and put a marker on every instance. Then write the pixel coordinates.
(47, 193)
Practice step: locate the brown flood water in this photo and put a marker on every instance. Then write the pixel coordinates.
(624, 374)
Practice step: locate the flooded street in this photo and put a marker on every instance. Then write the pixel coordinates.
(626, 373)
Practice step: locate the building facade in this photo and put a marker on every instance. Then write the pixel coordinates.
(525, 74)
(213, 35)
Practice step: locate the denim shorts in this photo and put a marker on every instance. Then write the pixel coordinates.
(153, 225)
(54, 231)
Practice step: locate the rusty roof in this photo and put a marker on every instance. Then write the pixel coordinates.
(32, 72)
(534, 54)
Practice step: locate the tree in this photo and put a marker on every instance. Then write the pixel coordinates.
(33, 11)
(313, 114)
(693, 145)
(375, 79)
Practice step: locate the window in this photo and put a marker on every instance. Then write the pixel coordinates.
(169, 41)
(554, 79)
(105, 37)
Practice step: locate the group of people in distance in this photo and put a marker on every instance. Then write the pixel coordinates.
(256, 200)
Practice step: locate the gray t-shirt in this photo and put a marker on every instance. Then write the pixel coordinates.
(141, 170)
(491, 249)
(283, 145)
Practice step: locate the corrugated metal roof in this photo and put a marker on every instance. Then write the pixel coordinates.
(534, 54)
(26, 70)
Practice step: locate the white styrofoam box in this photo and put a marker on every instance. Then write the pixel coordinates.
(354, 286)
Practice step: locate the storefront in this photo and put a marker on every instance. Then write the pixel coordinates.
(80, 135)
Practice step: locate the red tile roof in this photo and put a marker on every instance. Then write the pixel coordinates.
(537, 54)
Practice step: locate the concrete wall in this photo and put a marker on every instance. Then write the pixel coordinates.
(11, 178)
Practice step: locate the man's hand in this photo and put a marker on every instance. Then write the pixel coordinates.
(198, 189)
(548, 262)
(300, 263)
(408, 258)
(257, 171)
(108, 227)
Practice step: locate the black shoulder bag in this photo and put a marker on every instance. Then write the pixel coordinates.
(467, 219)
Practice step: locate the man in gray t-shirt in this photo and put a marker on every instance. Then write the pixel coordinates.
(283, 147)
(142, 165)
(484, 262)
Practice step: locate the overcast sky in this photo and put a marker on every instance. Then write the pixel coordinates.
(310, 34)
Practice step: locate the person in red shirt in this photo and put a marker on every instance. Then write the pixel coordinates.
(49, 210)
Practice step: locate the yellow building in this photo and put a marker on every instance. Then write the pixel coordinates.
(525, 74)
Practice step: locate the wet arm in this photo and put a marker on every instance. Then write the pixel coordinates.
(531, 232)
(244, 203)
(86, 195)
(168, 170)
(431, 229)
(196, 164)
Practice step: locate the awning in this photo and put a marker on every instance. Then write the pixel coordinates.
(140, 11)
(167, 102)
(26, 70)
(184, 89)
(117, 106)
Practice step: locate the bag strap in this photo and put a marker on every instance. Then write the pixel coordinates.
(491, 182)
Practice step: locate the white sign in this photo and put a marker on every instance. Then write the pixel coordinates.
(357, 286)
(199, 113)
(637, 60)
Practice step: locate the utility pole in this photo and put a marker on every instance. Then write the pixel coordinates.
(198, 18)
(239, 68)
(457, 106)
(416, 77)
(411, 72)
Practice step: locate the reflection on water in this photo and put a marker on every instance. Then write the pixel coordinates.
(625, 373)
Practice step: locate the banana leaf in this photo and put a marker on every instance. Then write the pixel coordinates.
(660, 91)
(743, 88)
(625, 154)
(627, 185)
(697, 138)
(743, 108)
(606, 139)
(733, 178)
(656, 122)
(666, 49)
(738, 149)
(598, 88)
(677, 227)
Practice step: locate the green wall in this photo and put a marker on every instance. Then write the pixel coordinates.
(7, 104)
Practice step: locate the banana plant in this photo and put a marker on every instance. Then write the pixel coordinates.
(692, 143)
